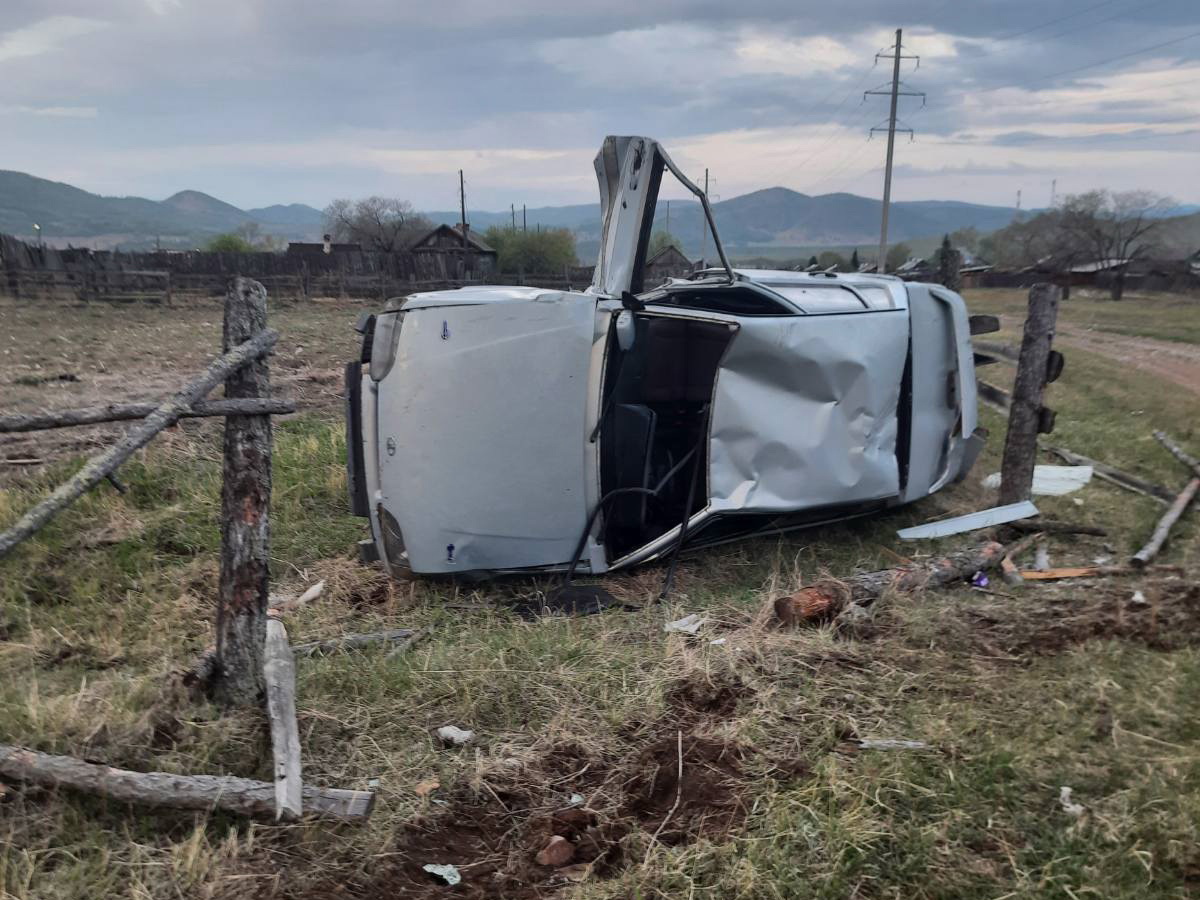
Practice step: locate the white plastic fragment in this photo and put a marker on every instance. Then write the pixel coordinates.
(453, 735)
(718, 642)
(448, 874)
(889, 744)
(985, 518)
(1051, 481)
(1138, 598)
(1072, 809)
(687, 625)
(575, 800)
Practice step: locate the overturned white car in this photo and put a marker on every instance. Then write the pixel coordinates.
(519, 429)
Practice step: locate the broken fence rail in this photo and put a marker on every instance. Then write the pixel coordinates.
(120, 412)
(165, 414)
(244, 796)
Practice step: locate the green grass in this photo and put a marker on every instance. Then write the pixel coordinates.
(100, 609)
(1167, 317)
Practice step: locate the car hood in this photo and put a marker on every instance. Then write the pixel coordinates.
(483, 430)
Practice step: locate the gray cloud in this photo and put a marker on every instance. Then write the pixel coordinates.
(331, 88)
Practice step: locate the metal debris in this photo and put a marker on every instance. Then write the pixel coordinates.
(985, 518)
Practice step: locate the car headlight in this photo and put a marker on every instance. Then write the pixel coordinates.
(383, 347)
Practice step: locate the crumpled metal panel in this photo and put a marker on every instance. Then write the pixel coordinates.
(482, 430)
(805, 412)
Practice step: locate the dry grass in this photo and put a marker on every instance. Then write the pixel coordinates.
(1067, 684)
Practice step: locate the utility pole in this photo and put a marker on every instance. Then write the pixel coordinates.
(897, 54)
(462, 206)
(524, 220)
(1053, 191)
(1018, 212)
(668, 217)
(513, 209)
(704, 224)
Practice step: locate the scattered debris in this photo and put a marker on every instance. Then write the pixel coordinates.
(689, 624)
(971, 522)
(1139, 598)
(1076, 572)
(1051, 481)
(285, 604)
(426, 787)
(890, 744)
(557, 852)
(1041, 561)
(453, 736)
(1072, 809)
(575, 800)
(448, 874)
(1177, 507)
(980, 580)
(718, 642)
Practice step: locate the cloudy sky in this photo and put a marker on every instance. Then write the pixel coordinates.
(275, 101)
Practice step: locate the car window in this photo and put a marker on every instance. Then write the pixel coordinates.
(731, 301)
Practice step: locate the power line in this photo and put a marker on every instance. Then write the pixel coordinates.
(1030, 30)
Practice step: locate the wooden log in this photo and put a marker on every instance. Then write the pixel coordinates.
(1115, 476)
(994, 395)
(994, 348)
(167, 413)
(1178, 452)
(279, 674)
(1008, 567)
(1025, 410)
(1052, 526)
(1169, 518)
(829, 596)
(354, 642)
(120, 412)
(245, 579)
(243, 796)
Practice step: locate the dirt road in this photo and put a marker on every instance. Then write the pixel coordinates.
(1169, 360)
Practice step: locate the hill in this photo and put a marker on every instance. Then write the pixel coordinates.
(67, 213)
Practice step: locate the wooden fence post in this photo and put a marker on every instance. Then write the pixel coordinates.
(1026, 418)
(245, 510)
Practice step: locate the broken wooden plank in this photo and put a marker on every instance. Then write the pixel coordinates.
(828, 596)
(984, 518)
(120, 412)
(167, 413)
(993, 348)
(279, 676)
(353, 642)
(994, 395)
(1169, 518)
(1113, 475)
(243, 796)
(1064, 572)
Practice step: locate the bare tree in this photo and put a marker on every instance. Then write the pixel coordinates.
(378, 223)
(1116, 228)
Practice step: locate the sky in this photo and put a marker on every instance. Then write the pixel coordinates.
(278, 101)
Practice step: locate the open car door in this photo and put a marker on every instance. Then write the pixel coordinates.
(629, 170)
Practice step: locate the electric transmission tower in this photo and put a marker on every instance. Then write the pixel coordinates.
(895, 90)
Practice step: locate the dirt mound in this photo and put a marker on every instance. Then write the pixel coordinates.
(1168, 619)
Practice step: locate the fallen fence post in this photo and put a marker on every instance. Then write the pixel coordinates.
(167, 413)
(1176, 509)
(244, 587)
(1026, 418)
(279, 674)
(829, 596)
(1115, 476)
(119, 412)
(244, 796)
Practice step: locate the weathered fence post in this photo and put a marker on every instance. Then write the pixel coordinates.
(1026, 417)
(245, 511)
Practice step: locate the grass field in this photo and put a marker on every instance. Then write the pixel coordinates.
(1017, 693)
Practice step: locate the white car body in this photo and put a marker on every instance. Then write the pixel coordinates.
(519, 429)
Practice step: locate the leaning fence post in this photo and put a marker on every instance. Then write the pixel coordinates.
(1037, 366)
(245, 508)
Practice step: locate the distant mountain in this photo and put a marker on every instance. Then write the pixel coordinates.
(294, 214)
(769, 218)
(66, 213)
